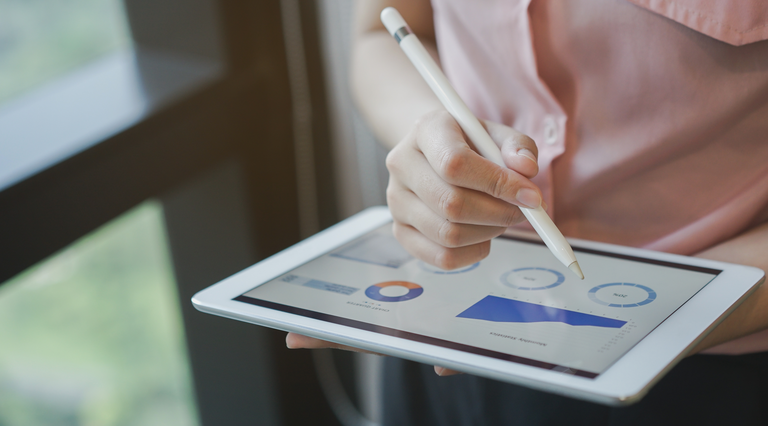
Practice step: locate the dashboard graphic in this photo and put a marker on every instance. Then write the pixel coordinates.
(499, 309)
(382, 291)
(622, 295)
(532, 278)
(318, 284)
(518, 302)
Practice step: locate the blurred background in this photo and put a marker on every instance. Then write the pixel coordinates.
(150, 148)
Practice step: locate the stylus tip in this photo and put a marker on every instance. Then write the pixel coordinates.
(576, 269)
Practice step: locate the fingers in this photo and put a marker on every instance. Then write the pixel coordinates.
(437, 240)
(298, 341)
(441, 371)
(461, 166)
(438, 146)
(518, 150)
(411, 171)
(447, 201)
(452, 216)
(428, 251)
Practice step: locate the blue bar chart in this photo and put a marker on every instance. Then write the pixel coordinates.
(499, 309)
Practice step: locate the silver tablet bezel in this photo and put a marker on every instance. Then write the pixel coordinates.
(625, 382)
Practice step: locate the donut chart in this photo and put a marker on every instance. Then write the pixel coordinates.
(374, 292)
(532, 278)
(622, 295)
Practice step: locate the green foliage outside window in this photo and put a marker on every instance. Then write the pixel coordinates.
(93, 335)
(41, 40)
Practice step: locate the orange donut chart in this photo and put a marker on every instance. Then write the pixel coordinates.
(374, 291)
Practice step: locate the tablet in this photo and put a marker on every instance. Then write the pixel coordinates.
(517, 316)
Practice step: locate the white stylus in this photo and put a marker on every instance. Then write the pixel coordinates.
(434, 76)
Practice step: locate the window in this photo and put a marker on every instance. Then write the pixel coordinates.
(157, 120)
(44, 39)
(93, 335)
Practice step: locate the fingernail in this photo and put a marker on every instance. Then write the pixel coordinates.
(524, 152)
(439, 370)
(528, 197)
(289, 341)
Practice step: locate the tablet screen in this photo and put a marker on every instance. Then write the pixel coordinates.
(519, 304)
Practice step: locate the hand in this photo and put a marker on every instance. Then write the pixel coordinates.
(297, 341)
(447, 201)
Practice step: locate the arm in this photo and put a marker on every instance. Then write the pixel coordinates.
(387, 89)
(446, 200)
(743, 331)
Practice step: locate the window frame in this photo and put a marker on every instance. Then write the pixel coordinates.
(228, 134)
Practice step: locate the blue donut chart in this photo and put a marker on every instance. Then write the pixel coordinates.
(374, 291)
(593, 295)
(559, 281)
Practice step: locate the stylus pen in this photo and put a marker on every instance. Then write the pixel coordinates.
(434, 76)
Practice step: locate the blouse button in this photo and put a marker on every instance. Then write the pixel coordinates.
(550, 130)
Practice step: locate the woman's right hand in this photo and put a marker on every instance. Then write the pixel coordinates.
(447, 201)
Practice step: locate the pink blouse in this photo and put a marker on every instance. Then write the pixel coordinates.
(651, 116)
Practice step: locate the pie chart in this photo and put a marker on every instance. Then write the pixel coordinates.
(622, 295)
(394, 291)
(532, 278)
